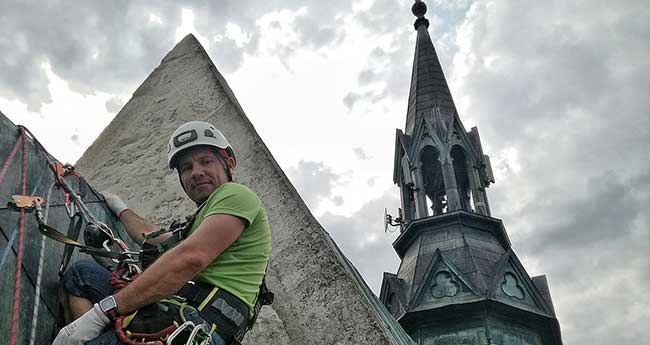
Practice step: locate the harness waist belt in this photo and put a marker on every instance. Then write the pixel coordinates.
(226, 311)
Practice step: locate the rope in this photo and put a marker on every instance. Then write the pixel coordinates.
(21, 237)
(5, 252)
(39, 276)
(10, 158)
(3, 173)
(12, 239)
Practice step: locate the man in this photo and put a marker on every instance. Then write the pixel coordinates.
(225, 252)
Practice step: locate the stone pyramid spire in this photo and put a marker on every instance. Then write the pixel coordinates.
(320, 297)
(429, 90)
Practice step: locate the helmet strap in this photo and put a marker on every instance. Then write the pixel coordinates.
(223, 155)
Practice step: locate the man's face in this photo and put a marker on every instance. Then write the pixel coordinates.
(201, 172)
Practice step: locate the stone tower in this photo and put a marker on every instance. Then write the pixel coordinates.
(459, 281)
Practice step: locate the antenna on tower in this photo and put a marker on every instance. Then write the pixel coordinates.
(393, 222)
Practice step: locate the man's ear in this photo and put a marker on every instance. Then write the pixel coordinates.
(231, 164)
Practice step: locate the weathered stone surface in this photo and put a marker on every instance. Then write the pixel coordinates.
(318, 301)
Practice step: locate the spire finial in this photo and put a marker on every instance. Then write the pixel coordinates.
(419, 9)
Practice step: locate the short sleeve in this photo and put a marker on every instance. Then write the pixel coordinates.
(236, 200)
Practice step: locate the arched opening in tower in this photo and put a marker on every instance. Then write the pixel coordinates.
(434, 185)
(459, 161)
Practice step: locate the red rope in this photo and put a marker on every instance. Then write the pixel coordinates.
(21, 233)
(10, 158)
(144, 337)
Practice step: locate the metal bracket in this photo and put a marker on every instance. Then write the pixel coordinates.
(26, 202)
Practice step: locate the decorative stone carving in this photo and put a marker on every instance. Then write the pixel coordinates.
(510, 286)
(444, 285)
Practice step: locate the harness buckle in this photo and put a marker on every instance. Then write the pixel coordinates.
(26, 202)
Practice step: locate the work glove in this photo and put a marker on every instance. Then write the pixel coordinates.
(87, 327)
(115, 203)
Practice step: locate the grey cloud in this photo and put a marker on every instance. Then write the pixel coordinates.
(351, 99)
(314, 181)
(75, 138)
(360, 153)
(114, 104)
(362, 239)
(94, 45)
(227, 55)
(317, 28)
(367, 75)
(100, 46)
(392, 65)
(385, 16)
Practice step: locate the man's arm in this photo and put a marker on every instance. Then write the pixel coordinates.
(185, 261)
(136, 226)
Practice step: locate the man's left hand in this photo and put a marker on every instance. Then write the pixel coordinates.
(89, 326)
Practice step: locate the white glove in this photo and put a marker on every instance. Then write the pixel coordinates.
(89, 326)
(115, 203)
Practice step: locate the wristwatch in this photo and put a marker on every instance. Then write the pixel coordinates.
(109, 307)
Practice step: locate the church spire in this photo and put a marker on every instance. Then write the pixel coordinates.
(439, 166)
(459, 281)
(429, 92)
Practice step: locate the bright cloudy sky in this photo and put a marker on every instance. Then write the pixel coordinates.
(559, 90)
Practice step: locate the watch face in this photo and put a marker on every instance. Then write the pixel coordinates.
(107, 304)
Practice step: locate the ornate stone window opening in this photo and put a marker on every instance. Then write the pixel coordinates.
(392, 304)
(434, 185)
(459, 161)
(408, 189)
(444, 285)
(510, 286)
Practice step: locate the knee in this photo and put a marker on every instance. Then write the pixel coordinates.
(86, 279)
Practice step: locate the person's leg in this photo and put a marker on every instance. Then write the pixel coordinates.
(84, 283)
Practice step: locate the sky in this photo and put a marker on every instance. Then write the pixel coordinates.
(558, 89)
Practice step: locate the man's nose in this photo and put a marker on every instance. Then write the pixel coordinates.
(197, 170)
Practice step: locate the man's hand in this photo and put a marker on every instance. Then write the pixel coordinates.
(115, 203)
(87, 327)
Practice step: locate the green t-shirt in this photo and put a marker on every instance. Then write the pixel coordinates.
(240, 268)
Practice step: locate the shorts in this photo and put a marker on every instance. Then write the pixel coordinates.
(87, 279)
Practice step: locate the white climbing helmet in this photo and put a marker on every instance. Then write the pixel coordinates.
(196, 133)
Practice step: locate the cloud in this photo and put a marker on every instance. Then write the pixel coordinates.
(109, 47)
(105, 47)
(558, 92)
(114, 104)
(315, 182)
(350, 99)
(360, 153)
(388, 69)
(361, 237)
